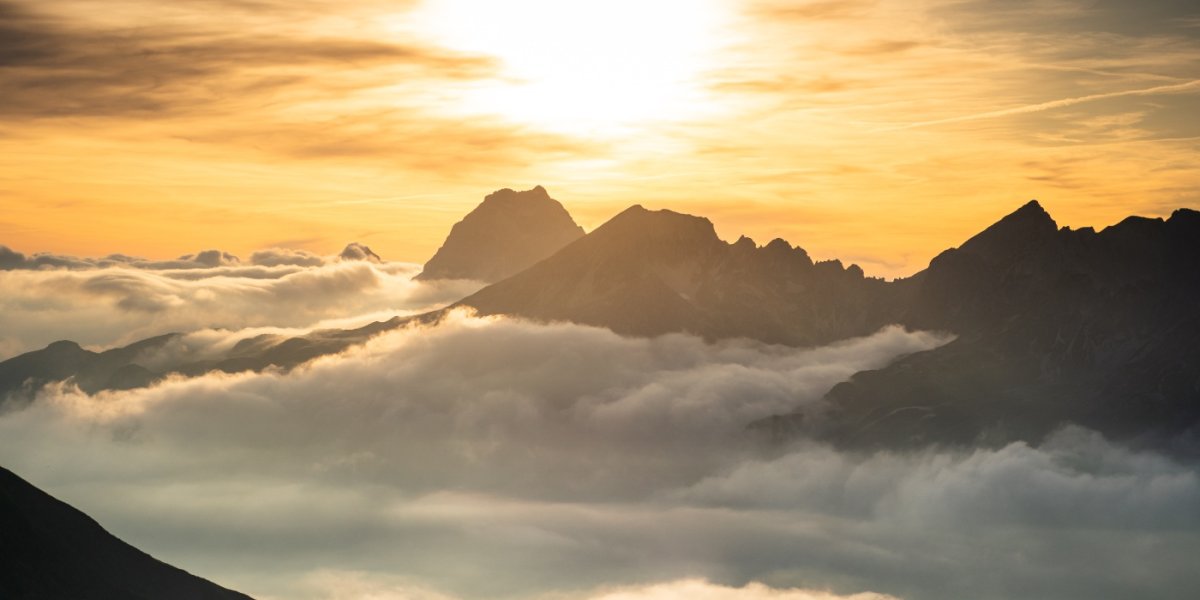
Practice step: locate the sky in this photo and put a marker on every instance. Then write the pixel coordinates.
(879, 132)
(145, 144)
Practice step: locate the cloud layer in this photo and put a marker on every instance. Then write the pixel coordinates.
(494, 458)
(120, 299)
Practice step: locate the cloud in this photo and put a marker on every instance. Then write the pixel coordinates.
(274, 257)
(1188, 86)
(67, 67)
(427, 424)
(312, 81)
(107, 302)
(206, 259)
(703, 590)
(495, 458)
(815, 11)
(349, 585)
(486, 393)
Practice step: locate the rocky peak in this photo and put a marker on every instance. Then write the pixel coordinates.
(637, 220)
(356, 251)
(1027, 227)
(507, 233)
(657, 236)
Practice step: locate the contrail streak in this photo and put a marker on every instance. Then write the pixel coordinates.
(1162, 89)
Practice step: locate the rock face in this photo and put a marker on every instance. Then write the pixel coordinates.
(653, 272)
(509, 232)
(50, 551)
(1054, 326)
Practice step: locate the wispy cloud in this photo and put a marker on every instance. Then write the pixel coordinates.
(1175, 88)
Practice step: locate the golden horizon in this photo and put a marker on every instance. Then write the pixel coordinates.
(877, 133)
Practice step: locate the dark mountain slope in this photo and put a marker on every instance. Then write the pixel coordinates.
(653, 272)
(507, 233)
(1055, 326)
(50, 551)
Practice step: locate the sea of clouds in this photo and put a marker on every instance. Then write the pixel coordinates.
(498, 458)
(116, 300)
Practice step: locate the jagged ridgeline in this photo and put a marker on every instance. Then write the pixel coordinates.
(652, 272)
(1053, 325)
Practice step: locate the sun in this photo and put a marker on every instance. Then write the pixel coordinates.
(583, 67)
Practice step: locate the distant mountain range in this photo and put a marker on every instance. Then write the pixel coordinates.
(50, 551)
(1053, 325)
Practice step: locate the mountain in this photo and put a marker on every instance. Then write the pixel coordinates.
(642, 273)
(507, 233)
(51, 551)
(123, 368)
(653, 272)
(1055, 326)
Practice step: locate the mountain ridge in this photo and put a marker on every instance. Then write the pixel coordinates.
(652, 272)
(51, 551)
(1053, 325)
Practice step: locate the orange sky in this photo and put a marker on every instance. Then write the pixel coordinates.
(878, 132)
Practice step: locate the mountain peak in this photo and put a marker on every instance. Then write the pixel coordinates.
(1020, 229)
(1030, 213)
(506, 233)
(1031, 206)
(357, 251)
(1183, 216)
(637, 223)
(509, 197)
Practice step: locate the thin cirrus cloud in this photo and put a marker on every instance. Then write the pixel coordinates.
(58, 66)
(494, 458)
(281, 83)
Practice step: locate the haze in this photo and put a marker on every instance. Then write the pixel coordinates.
(872, 131)
(599, 300)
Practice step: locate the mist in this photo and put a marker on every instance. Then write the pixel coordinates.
(498, 458)
(102, 304)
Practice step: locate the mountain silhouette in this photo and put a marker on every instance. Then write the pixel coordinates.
(51, 551)
(505, 234)
(1055, 326)
(652, 272)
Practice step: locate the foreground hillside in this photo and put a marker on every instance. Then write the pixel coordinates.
(50, 551)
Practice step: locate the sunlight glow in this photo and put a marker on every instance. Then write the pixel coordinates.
(588, 67)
